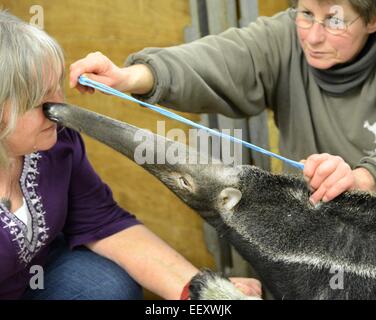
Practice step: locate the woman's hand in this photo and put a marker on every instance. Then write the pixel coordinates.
(249, 286)
(328, 176)
(96, 66)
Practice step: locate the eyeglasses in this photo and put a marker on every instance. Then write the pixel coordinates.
(305, 20)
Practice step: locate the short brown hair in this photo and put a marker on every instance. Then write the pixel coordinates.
(365, 8)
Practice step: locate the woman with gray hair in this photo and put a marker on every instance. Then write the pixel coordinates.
(52, 200)
(314, 65)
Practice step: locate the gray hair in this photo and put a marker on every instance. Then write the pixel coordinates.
(365, 8)
(31, 65)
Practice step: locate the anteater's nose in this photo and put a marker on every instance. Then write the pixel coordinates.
(52, 109)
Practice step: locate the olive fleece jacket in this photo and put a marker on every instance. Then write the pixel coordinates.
(242, 71)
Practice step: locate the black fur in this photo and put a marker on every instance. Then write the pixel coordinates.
(338, 234)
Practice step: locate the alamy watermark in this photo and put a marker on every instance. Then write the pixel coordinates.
(199, 147)
(37, 18)
(37, 280)
(338, 13)
(337, 281)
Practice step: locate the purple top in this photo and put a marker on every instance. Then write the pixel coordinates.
(63, 194)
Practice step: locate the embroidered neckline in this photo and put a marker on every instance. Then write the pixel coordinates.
(28, 182)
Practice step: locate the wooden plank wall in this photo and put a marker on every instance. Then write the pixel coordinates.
(270, 7)
(118, 28)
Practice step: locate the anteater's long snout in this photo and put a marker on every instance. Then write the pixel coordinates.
(180, 175)
(115, 134)
(121, 136)
(127, 139)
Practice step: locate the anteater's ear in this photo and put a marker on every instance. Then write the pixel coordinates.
(229, 198)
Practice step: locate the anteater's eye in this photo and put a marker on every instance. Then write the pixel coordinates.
(184, 183)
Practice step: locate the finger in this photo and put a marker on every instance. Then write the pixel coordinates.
(257, 289)
(76, 69)
(317, 195)
(323, 171)
(98, 78)
(344, 184)
(249, 291)
(343, 170)
(91, 64)
(82, 89)
(312, 162)
(327, 189)
(247, 281)
(327, 193)
(85, 89)
(248, 286)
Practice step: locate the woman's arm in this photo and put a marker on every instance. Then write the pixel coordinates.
(234, 73)
(149, 260)
(155, 265)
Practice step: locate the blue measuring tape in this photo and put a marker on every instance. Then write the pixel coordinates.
(106, 89)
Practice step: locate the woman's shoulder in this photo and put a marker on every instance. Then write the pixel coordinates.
(280, 23)
(279, 17)
(277, 31)
(67, 135)
(69, 144)
(68, 138)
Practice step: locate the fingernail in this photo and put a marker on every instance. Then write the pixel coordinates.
(325, 199)
(312, 201)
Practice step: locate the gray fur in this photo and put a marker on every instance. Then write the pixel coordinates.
(292, 245)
